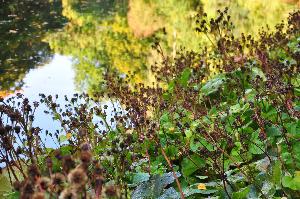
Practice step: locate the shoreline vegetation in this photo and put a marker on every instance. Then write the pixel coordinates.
(221, 121)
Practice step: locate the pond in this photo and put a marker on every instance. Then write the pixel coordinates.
(67, 46)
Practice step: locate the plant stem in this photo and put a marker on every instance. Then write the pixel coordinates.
(174, 174)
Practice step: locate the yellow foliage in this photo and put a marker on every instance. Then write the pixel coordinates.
(69, 135)
(250, 16)
(146, 23)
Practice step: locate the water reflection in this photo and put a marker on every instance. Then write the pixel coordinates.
(56, 77)
(23, 25)
(99, 42)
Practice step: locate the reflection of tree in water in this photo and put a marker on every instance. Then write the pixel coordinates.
(117, 34)
(99, 41)
(99, 38)
(23, 25)
(251, 16)
(100, 8)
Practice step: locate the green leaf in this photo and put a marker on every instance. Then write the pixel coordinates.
(164, 118)
(213, 85)
(190, 191)
(11, 195)
(276, 173)
(170, 193)
(191, 164)
(257, 146)
(185, 76)
(273, 131)
(160, 182)
(238, 108)
(296, 150)
(258, 72)
(171, 151)
(188, 133)
(292, 183)
(194, 145)
(202, 177)
(294, 45)
(62, 138)
(56, 116)
(293, 128)
(206, 144)
(242, 193)
(140, 177)
(166, 96)
(171, 86)
(250, 94)
(4, 185)
(287, 157)
(66, 150)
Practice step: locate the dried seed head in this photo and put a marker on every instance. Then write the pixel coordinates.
(85, 147)
(68, 163)
(57, 179)
(57, 182)
(111, 191)
(86, 157)
(77, 177)
(68, 194)
(44, 183)
(82, 132)
(33, 172)
(57, 154)
(49, 162)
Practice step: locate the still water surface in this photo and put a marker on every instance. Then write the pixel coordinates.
(66, 46)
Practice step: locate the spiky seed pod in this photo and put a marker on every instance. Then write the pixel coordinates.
(86, 157)
(68, 163)
(44, 183)
(57, 154)
(77, 178)
(83, 132)
(85, 147)
(110, 191)
(49, 163)
(68, 194)
(57, 181)
(33, 172)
